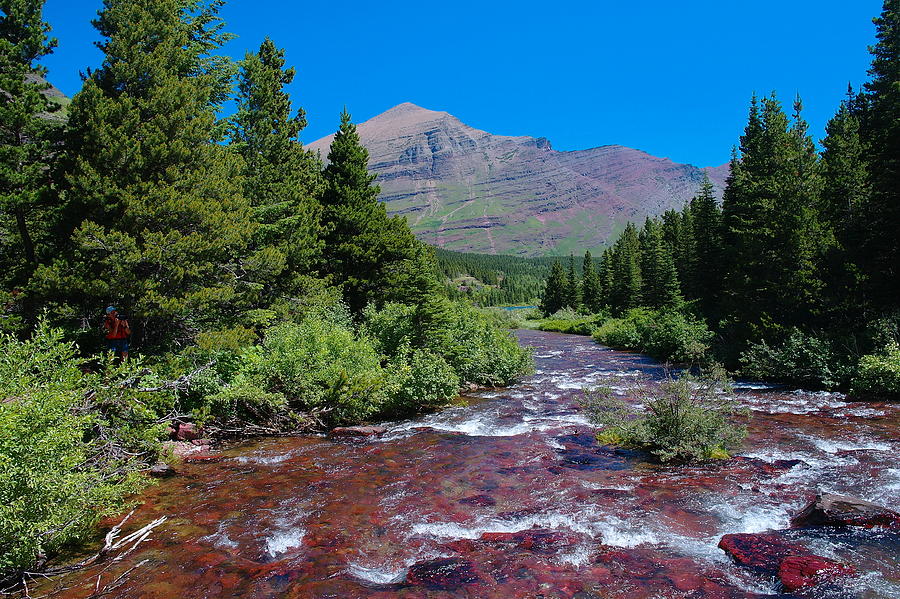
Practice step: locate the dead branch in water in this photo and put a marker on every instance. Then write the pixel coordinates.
(114, 550)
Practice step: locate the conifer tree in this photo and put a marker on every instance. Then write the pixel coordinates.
(881, 244)
(573, 286)
(25, 128)
(605, 276)
(281, 178)
(157, 218)
(659, 279)
(555, 291)
(590, 286)
(705, 274)
(625, 292)
(366, 251)
(846, 189)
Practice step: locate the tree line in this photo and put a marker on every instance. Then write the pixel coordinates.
(805, 241)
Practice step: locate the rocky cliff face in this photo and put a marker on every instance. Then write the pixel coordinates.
(468, 190)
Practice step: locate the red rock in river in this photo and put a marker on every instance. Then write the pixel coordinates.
(444, 574)
(799, 571)
(357, 431)
(761, 551)
(838, 510)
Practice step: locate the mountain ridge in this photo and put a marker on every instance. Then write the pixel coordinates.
(466, 189)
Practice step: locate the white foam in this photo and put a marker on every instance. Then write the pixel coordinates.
(838, 445)
(377, 575)
(282, 541)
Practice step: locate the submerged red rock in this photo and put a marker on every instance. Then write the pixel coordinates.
(442, 574)
(800, 571)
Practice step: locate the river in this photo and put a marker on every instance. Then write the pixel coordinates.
(511, 497)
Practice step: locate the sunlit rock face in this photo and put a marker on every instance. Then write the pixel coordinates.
(466, 189)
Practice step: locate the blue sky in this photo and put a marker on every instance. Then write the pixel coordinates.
(669, 78)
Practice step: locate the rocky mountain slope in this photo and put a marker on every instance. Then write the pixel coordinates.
(468, 190)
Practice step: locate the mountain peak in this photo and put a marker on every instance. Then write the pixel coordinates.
(462, 188)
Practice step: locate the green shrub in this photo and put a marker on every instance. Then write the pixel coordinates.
(567, 321)
(471, 343)
(686, 419)
(423, 380)
(879, 374)
(665, 335)
(72, 443)
(801, 359)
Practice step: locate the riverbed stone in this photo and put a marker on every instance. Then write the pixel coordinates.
(479, 500)
(828, 509)
(801, 571)
(358, 431)
(445, 574)
(763, 552)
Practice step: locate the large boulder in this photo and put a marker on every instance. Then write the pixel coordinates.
(839, 510)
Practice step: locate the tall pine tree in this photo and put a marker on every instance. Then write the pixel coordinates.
(881, 134)
(25, 134)
(705, 274)
(366, 252)
(157, 218)
(590, 286)
(282, 180)
(555, 291)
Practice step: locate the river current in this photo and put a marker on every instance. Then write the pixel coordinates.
(510, 496)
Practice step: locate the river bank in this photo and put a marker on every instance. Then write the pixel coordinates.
(511, 496)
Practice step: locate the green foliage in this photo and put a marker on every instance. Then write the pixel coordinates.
(72, 443)
(475, 348)
(26, 133)
(365, 249)
(155, 217)
(281, 179)
(420, 379)
(569, 321)
(801, 359)
(666, 335)
(685, 419)
(878, 375)
(556, 291)
(490, 280)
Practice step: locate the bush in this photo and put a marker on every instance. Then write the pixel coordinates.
(567, 321)
(72, 443)
(686, 419)
(665, 335)
(879, 374)
(422, 380)
(472, 345)
(802, 359)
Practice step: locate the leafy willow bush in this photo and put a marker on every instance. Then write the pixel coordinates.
(685, 420)
(475, 348)
(568, 321)
(802, 359)
(663, 334)
(879, 374)
(72, 443)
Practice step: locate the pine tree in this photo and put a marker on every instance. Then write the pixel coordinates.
(573, 286)
(625, 292)
(845, 192)
(705, 275)
(605, 276)
(659, 279)
(281, 179)
(366, 251)
(158, 222)
(590, 286)
(881, 135)
(555, 291)
(26, 126)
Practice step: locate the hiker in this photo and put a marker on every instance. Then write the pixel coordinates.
(117, 332)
